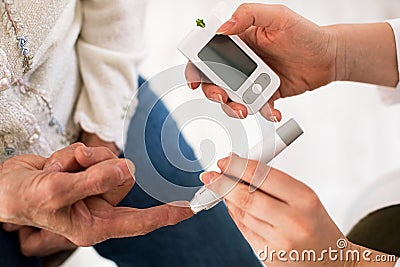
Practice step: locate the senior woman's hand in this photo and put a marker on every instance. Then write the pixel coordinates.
(74, 194)
(283, 214)
(92, 140)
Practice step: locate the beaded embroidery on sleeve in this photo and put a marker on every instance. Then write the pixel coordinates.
(19, 129)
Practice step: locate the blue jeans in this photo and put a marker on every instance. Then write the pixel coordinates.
(208, 239)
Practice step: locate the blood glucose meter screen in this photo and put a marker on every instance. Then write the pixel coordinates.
(224, 57)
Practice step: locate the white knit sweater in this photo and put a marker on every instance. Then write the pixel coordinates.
(82, 75)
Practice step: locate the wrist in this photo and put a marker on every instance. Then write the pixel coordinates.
(338, 44)
(365, 53)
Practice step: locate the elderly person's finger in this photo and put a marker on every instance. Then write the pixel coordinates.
(133, 222)
(88, 156)
(64, 159)
(77, 157)
(116, 194)
(93, 140)
(112, 179)
(42, 243)
(10, 227)
(104, 178)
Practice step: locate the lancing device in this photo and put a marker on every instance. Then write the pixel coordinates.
(286, 134)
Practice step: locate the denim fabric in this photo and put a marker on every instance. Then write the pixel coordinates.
(208, 239)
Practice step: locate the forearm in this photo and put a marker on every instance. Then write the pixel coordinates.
(366, 53)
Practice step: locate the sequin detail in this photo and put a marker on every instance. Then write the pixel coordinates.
(5, 74)
(26, 89)
(13, 25)
(19, 129)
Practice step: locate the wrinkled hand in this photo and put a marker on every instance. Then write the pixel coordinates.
(299, 51)
(92, 140)
(283, 214)
(80, 204)
(38, 242)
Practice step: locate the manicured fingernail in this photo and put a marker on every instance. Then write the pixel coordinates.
(217, 98)
(206, 178)
(272, 118)
(240, 114)
(221, 100)
(87, 151)
(275, 119)
(226, 26)
(190, 85)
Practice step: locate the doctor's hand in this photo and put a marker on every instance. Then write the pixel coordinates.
(302, 53)
(74, 193)
(282, 214)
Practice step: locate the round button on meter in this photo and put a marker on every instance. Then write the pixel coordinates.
(257, 88)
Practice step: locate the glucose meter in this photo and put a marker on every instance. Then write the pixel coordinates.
(230, 63)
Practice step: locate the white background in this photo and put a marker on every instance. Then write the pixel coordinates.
(351, 138)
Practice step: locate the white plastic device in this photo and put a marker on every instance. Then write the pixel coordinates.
(230, 63)
(206, 199)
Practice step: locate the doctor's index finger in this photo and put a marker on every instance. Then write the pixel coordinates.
(265, 178)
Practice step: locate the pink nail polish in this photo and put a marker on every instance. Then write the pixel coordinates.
(241, 115)
(221, 100)
(271, 118)
(216, 98)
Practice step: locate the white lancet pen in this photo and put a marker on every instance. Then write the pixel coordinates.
(285, 135)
